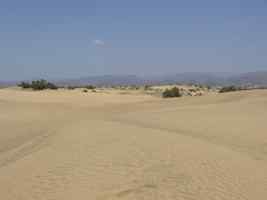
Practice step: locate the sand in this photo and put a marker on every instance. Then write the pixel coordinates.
(74, 145)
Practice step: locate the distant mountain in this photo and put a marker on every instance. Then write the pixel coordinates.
(251, 78)
(183, 78)
(194, 78)
(104, 80)
(7, 83)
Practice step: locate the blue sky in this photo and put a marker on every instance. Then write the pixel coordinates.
(63, 38)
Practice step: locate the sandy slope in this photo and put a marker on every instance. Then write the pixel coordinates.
(73, 145)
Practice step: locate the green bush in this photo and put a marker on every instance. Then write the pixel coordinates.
(90, 87)
(24, 85)
(38, 85)
(169, 93)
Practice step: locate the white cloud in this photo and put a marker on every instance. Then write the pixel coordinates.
(99, 43)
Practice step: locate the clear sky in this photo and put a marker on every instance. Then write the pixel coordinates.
(63, 38)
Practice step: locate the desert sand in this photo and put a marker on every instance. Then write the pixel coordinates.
(66, 145)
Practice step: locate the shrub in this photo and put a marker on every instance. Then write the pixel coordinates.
(51, 86)
(147, 87)
(38, 85)
(85, 90)
(231, 88)
(90, 87)
(192, 90)
(169, 93)
(24, 85)
(71, 87)
(42, 85)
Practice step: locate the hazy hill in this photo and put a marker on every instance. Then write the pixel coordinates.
(250, 78)
(104, 80)
(7, 83)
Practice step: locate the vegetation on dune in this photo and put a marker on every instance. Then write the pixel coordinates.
(38, 85)
(71, 87)
(147, 87)
(173, 92)
(90, 87)
(231, 88)
(24, 85)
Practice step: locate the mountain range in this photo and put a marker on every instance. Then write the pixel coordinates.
(251, 78)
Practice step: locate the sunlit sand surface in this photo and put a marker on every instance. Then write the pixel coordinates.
(106, 145)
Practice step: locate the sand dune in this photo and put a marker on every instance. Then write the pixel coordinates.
(74, 145)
